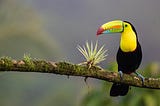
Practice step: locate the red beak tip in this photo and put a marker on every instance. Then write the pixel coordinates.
(97, 34)
(100, 31)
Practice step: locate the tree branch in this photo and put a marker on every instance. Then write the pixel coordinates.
(65, 68)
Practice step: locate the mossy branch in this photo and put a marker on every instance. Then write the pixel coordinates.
(65, 68)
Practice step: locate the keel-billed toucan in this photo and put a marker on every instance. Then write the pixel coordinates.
(129, 55)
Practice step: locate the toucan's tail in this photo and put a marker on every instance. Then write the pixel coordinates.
(119, 89)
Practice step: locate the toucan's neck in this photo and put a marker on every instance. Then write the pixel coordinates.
(128, 42)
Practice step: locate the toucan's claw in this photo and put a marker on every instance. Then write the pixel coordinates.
(121, 75)
(140, 76)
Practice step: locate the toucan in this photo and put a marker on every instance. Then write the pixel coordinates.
(129, 54)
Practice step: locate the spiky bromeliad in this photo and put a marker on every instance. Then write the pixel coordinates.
(129, 55)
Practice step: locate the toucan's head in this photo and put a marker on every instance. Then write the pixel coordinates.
(116, 26)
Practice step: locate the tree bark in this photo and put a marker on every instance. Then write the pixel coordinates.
(69, 69)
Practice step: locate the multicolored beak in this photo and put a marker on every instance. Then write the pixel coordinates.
(111, 27)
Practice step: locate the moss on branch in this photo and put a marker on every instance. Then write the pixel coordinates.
(69, 69)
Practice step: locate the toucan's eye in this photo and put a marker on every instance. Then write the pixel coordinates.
(126, 25)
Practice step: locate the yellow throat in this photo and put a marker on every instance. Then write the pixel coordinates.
(128, 42)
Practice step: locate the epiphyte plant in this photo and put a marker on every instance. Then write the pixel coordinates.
(92, 53)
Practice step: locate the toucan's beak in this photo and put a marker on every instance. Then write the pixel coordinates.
(111, 27)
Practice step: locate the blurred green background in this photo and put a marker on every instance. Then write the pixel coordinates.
(51, 30)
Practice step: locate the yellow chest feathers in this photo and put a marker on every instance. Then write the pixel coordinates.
(128, 42)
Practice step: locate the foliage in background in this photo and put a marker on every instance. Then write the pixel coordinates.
(22, 31)
(135, 97)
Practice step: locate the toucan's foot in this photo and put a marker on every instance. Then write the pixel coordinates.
(140, 76)
(121, 75)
